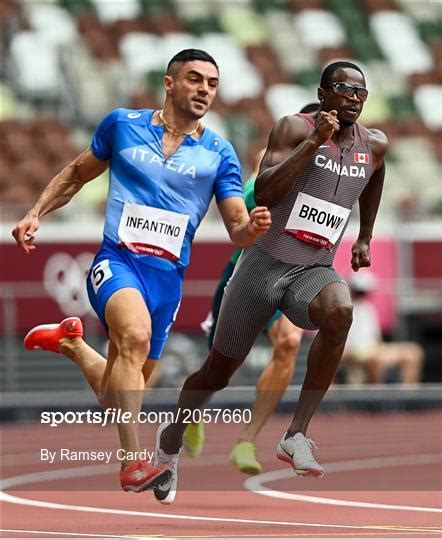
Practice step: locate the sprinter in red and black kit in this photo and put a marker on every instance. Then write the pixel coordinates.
(314, 171)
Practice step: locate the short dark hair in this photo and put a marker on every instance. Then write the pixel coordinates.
(331, 68)
(310, 108)
(187, 55)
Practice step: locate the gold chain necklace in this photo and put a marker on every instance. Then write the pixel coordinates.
(173, 130)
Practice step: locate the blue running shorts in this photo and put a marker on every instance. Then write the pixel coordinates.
(115, 268)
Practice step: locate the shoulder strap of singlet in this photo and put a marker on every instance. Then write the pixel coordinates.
(307, 118)
(362, 131)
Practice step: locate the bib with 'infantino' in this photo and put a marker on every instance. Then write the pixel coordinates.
(152, 231)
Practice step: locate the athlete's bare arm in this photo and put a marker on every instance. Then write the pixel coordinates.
(289, 149)
(57, 193)
(369, 202)
(243, 228)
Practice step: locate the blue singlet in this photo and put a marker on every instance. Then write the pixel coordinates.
(153, 210)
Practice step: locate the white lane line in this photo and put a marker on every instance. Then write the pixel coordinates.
(56, 506)
(253, 483)
(64, 533)
(105, 469)
(256, 483)
(391, 534)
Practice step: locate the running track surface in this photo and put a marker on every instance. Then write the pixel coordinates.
(383, 481)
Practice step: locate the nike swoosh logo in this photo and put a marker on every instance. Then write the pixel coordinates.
(71, 325)
(324, 146)
(136, 475)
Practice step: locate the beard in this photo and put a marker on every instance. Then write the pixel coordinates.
(346, 123)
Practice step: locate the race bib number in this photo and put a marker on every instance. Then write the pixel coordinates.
(316, 221)
(152, 231)
(100, 273)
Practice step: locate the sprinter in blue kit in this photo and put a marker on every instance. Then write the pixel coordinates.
(165, 166)
(151, 217)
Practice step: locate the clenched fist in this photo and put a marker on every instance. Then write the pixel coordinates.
(360, 255)
(260, 221)
(327, 123)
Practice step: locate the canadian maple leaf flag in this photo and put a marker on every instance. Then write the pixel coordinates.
(360, 157)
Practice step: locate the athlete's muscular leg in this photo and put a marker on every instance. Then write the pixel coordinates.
(213, 375)
(122, 385)
(93, 365)
(151, 372)
(331, 311)
(149, 366)
(233, 336)
(119, 381)
(285, 338)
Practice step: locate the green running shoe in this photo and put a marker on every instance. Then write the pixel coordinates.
(243, 456)
(193, 439)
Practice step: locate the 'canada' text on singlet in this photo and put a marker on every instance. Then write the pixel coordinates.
(341, 170)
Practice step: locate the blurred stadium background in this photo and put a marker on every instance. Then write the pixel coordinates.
(66, 63)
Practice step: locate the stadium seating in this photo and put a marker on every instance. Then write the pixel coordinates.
(78, 59)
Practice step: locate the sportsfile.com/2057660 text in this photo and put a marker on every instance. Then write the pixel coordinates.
(117, 416)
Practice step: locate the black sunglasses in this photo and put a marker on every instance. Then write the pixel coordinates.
(348, 90)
